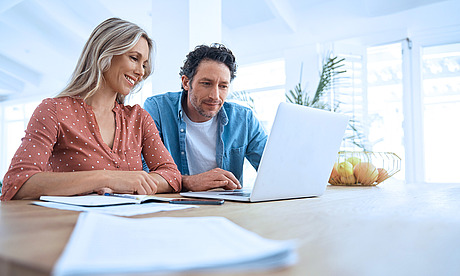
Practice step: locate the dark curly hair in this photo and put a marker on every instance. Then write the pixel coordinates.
(216, 51)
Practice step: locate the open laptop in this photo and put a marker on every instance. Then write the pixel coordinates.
(298, 157)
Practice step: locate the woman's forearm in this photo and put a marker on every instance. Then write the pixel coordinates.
(163, 185)
(60, 183)
(85, 182)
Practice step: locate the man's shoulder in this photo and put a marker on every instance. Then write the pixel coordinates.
(167, 102)
(164, 97)
(232, 108)
(237, 107)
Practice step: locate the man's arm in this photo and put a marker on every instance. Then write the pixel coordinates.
(215, 178)
(257, 141)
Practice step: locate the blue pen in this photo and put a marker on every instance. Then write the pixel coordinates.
(172, 200)
(123, 196)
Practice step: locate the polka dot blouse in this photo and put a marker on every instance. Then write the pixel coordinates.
(63, 136)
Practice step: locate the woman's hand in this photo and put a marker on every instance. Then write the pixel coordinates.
(129, 182)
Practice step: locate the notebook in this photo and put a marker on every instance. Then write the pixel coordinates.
(298, 157)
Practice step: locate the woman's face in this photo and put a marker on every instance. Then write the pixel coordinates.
(126, 70)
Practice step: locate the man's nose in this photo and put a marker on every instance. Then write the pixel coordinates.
(214, 93)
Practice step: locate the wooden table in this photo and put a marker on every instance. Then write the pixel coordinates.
(390, 229)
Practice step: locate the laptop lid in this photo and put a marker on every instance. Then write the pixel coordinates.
(298, 157)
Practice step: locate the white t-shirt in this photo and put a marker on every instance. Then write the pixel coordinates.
(200, 144)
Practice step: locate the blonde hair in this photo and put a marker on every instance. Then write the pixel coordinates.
(112, 37)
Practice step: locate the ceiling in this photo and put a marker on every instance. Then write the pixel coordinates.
(42, 39)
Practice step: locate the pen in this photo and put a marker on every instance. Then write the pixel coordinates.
(123, 196)
(169, 200)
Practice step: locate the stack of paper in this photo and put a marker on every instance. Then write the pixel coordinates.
(118, 210)
(110, 205)
(102, 244)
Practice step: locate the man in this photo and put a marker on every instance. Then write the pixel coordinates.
(207, 137)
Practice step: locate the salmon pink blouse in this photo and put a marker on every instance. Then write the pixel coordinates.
(63, 136)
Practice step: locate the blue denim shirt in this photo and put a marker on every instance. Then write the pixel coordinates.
(240, 133)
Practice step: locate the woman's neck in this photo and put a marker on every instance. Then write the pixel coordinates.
(102, 100)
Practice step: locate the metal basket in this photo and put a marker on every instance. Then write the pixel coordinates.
(386, 165)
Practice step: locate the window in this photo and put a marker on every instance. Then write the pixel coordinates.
(372, 95)
(15, 119)
(348, 97)
(263, 83)
(441, 110)
(385, 100)
(389, 108)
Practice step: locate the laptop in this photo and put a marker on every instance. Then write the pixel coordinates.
(298, 158)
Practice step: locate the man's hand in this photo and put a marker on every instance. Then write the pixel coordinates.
(215, 178)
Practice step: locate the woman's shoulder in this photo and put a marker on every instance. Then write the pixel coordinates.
(48, 104)
(133, 110)
(63, 101)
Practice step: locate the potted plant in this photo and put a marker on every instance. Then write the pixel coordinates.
(331, 74)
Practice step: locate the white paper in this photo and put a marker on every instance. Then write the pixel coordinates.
(100, 200)
(102, 244)
(118, 210)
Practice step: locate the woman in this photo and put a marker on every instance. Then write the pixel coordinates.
(85, 140)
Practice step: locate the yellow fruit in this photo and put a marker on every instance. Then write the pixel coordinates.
(348, 179)
(345, 169)
(335, 177)
(366, 173)
(383, 175)
(354, 160)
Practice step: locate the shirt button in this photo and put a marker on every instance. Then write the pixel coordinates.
(182, 130)
(182, 152)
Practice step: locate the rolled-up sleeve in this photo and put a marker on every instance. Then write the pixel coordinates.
(35, 150)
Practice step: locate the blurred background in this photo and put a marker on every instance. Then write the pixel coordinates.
(402, 62)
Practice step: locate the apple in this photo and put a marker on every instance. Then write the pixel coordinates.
(345, 169)
(335, 177)
(366, 173)
(354, 160)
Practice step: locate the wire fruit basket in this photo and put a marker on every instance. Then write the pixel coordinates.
(364, 168)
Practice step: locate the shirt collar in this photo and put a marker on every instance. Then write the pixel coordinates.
(222, 116)
(180, 111)
(117, 107)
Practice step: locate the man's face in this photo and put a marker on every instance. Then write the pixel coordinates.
(207, 91)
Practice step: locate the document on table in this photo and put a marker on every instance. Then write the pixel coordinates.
(118, 210)
(94, 200)
(167, 244)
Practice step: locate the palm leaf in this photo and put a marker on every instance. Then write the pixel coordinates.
(330, 74)
(244, 97)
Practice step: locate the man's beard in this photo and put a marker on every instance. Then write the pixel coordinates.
(201, 111)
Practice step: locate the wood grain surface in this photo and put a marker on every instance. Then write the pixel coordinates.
(389, 229)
